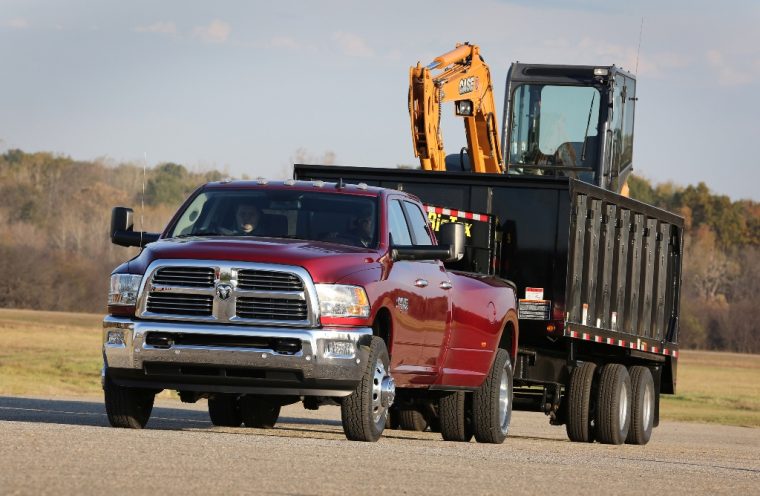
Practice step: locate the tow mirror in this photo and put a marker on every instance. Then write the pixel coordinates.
(122, 229)
(451, 234)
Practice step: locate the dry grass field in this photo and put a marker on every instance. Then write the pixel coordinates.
(58, 354)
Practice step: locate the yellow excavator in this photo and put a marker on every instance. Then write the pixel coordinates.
(559, 120)
(464, 79)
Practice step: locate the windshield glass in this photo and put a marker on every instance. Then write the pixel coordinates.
(343, 219)
(554, 126)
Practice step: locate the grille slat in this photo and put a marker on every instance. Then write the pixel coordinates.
(180, 304)
(199, 277)
(265, 280)
(270, 308)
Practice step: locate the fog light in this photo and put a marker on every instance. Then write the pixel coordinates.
(115, 338)
(340, 349)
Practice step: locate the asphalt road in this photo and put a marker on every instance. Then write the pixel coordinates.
(55, 446)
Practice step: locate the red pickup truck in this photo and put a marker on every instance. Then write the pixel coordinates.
(260, 294)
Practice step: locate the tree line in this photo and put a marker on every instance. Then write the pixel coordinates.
(55, 253)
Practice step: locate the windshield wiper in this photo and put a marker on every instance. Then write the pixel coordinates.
(588, 123)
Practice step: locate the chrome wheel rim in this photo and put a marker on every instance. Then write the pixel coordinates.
(623, 413)
(647, 407)
(504, 401)
(378, 409)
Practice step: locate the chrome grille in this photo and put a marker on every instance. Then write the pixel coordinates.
(271, 309)
(265, 280)
(195, 277)
(180, 304)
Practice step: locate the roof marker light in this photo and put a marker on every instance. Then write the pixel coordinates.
(262, 180)
(601, 71)
(289, 182)
(362, 185)
(318, 184)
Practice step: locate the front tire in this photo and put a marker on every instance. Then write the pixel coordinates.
(580, 418)
(126, 407)
(492, 402)
(365, 412)
(613, 406)
(223, 410)
(260, 412)
(642, 408)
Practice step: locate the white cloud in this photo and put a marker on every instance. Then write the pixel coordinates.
(728, 75)
(216, 32)
(352, 44)
(160, 27)
(18, 23)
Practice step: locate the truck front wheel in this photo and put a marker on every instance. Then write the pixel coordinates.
(613, 407)
(127, 407)
(365, 411)
(223, 410)
(492, 402)
(642, 409)
(260, 412)
(580, 415)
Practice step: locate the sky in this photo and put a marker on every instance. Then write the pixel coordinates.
(248, 87)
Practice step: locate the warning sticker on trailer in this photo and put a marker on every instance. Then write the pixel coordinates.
(535, 309)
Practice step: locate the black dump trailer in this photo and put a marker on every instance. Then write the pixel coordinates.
(598, 276)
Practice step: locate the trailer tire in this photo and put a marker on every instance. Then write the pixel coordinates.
(642, 406)
(412, 420)
(455, 414)
(362, 412)
(580, 413)
(613, 405)
(224, 411)
(260, 412)
(126, 407)
(492, 402)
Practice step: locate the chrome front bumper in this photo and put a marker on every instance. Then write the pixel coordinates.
(314, 370)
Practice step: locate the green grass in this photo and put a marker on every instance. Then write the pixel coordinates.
(58, 354)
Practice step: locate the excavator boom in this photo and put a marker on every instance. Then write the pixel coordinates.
(465, 80)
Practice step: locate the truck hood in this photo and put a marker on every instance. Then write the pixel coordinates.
(326, 262)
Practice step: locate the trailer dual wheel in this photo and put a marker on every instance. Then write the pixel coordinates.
(258, 411)
(492, 402)
(613, 410)
(455, 415)
(365, 412)
(642, 411)
(580, 411)
(224, 411)
(127, 407)
(412, 420)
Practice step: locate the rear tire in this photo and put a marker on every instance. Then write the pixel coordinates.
(363, 413)
(126, 407)
(260, 412)
(580, 418)
(455, 414)
(492, 402)
(642, 408)
(412, 420)
(613, 405)
(223, 410)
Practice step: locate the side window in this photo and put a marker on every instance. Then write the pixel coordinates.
(419, 224)
(398, 228)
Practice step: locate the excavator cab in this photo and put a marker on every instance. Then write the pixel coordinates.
(574, 121)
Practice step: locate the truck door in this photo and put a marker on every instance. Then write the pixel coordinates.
(436, 314)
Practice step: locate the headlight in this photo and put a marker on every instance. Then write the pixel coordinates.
(124, 288)
(339, 300)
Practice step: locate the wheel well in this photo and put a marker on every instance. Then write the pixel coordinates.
(382, 327)
(509, 341)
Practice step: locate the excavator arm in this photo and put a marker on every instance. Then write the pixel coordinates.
(465, 80)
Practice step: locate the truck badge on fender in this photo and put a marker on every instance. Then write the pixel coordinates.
(402, 304)
(223, 291)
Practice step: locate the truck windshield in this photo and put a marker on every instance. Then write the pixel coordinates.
(554, 128)
(344, 219)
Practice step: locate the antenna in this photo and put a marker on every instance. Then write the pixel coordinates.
(142, 199)
(638, 50)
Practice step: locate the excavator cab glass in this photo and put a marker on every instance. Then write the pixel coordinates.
(555, 130)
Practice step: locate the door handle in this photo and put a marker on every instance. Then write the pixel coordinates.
(421, 283)
(446, 285)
